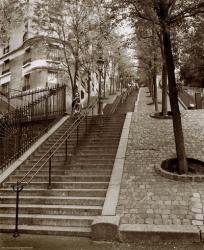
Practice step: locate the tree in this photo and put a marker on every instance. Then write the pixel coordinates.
(78, 27)
(69, 24)
(192, 71)
(165, 13)
(11, 13)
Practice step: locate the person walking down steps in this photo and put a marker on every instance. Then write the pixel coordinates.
(76, 106)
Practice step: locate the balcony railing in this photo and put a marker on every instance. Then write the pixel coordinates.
(4, 71)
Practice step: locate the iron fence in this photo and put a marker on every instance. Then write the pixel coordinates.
(192, 97)
(22, 126)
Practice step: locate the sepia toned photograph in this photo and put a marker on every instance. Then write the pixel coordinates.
(101, 124)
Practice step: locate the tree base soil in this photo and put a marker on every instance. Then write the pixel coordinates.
(195, 167)
(159, 115)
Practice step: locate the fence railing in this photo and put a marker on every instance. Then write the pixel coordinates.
(20, 128)
(191, 100)
(72, 135)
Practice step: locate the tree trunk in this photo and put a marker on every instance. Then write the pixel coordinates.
(154, 79)
(164, 90)
(164, 78)
(110, 86)
(104, 84)
(173, 94)
(150, 86)
(155, 97)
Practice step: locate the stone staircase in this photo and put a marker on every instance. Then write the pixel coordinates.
(79, 186)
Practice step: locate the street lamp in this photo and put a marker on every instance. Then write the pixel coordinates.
(121, 84)
(100, 63)
(112, 84)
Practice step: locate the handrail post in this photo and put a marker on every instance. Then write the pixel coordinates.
(77, 133)
(50, 172)
(66, 150)
(17, 189)
(86, 122)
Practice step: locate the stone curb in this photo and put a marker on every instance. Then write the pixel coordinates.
(111, 200)
(105, 227)
(154, 233)
(177, 177)
(32, 149)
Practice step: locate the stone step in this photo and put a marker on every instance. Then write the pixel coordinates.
(51, 209)
(57, 160)
(83, 153)
(43, 230)
(56, 192)
(53, 200)
(79, 157)
(102, 134)
(73, 172)
(48, 220)
(96, 146)
(59, 178)
(93, 159)
(96, 152)
(90, 166)
(82, 142)
(55, 163)
(74, 166)
(65, 185)
(97, 155)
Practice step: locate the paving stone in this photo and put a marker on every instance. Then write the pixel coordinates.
(199, 216)
(142, 191)
(197, 222)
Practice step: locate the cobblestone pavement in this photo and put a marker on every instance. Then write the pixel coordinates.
(146, 197)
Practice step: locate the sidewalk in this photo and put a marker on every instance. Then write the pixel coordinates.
(147, 198)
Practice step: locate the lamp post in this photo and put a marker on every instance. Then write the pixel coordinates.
(111, 84)
(121, 84)
(100, 63)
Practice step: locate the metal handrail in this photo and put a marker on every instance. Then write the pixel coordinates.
(51, 152)
(48, 153)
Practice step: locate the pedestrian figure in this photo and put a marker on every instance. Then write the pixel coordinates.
(76, 106)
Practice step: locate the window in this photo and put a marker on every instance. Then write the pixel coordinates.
(4, 89)
(52, 78)
(27, 56)
(6, 67)
(53, 53)
(6, 49)
(26, 82)
(82, 94)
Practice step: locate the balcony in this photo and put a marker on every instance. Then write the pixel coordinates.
(26, 61)
(5, 71)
